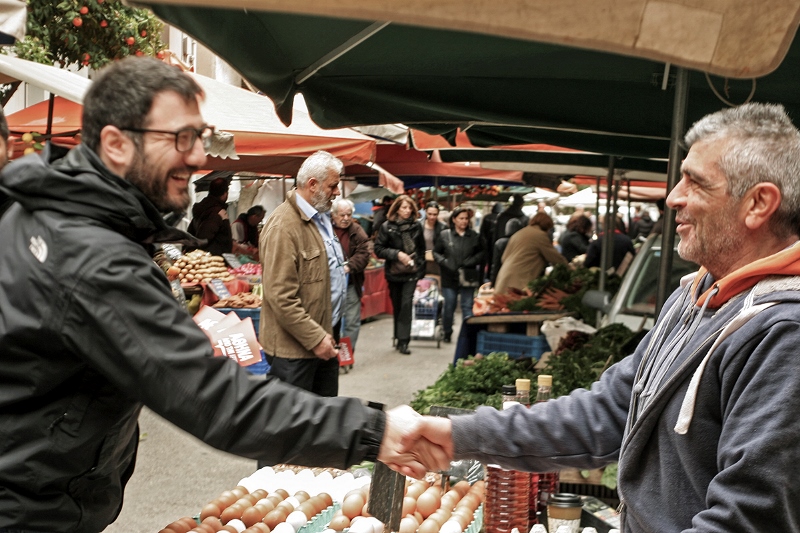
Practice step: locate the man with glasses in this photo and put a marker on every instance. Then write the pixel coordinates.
(90, 332)
(304, 275)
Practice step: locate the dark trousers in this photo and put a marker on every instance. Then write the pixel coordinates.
(314, 375)
(402, 295)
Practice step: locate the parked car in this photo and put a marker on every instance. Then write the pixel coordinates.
(635, 303)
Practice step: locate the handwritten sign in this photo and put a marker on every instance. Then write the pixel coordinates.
(219, 288)
(171, 251)
(232, 260)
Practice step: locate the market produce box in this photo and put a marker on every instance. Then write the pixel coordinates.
(515, 345)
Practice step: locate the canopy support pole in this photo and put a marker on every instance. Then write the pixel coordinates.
(673, 176)
(50, 106)
(339, 51)
(630, 220)
(607, 249)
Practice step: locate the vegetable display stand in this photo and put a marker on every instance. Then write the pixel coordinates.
(520, 323)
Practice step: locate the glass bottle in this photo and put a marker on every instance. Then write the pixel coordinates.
(543, 483)
(507, 491)
(509, 393)
(524, 392)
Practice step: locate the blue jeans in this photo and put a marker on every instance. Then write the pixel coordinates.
(352, 316)
(450, 295)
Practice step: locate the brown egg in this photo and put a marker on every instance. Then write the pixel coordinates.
(282, 493)
(409, 506)
(252, 515)
(188, 521)
(244, 502)
(260, 493)
(441, 515)
(429, 526)
(262, 527)
(365, 510)
(352, 505)
(210, 510)
(462, 487)
(301, 496)
(229, 529)
(275, 499)
(286, 507)
(317, 503)
(326, 498)
(416, 489)
(308, 508)
(418, 517)
(231, 513)
(266, 505)
(228, 497)
(205, 528)
(408, 525)
(339, 523)
(275, 517)
(214, 522)
(427, 504)
(240, 491)
(167, 530)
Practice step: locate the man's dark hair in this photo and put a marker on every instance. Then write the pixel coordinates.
(218, 187)
(123, 93)
(256, 210)
(3, 125)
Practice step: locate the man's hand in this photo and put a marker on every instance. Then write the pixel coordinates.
(404, 258)
(405, 449)
(223, 214)
(326, 349)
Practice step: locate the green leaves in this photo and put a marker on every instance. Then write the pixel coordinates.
(88, 32)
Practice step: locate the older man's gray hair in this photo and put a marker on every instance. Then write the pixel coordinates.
(317, 166)
(342, 202)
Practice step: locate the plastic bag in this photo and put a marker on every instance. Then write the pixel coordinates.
(555, 330)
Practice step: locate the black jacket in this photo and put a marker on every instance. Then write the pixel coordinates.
(573, 244)
(389, 243)
(453, 251)
(90, 331)
(207, 224)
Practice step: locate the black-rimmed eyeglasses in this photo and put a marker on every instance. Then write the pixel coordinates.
(184, 137)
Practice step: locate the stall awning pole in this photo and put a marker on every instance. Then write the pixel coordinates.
(607, 249)
(673, 175)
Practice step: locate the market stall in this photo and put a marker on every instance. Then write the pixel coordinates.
(375, 299)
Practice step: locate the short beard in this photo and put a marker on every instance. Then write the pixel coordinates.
(154, 189)
(321, 201)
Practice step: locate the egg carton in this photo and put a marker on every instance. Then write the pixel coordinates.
(319, 522)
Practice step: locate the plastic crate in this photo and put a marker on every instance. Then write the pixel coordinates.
(515, 345)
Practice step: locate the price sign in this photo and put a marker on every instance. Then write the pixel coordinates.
(232, 260)
(171, 251)
(219, 289)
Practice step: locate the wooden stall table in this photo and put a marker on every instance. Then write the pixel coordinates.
(526, 323)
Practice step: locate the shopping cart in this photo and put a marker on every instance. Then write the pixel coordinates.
(427, 311)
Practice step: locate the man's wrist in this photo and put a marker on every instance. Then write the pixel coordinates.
(372, 434)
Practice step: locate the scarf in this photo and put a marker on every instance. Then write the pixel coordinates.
(406, 227)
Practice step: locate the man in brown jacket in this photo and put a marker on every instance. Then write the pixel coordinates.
(302, 260)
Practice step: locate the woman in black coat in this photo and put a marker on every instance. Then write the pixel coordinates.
(401, 243)
(458, 248)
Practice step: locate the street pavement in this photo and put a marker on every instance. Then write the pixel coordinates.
(176, 474)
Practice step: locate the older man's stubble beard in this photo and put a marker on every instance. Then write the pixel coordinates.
(321, 201)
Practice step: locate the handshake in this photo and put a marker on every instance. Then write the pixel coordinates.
(414, 444)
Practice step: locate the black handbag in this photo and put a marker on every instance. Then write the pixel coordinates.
(469, 277)
(396, 268)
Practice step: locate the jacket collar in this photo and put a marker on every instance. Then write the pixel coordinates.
(784, 263)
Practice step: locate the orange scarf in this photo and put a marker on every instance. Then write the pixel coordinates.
(784, 263)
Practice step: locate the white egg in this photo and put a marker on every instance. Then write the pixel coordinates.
(377, 525)
(361, 526)
(294, 501)
(283, 527)
(451, 526)
(237, 524)
(297, 519)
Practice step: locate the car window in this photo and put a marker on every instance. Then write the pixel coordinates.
(641, 299)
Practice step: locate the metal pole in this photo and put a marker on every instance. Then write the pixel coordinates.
(597, 207)
(673, 175)
(607, 249)
(50, 106)
(630, 220)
